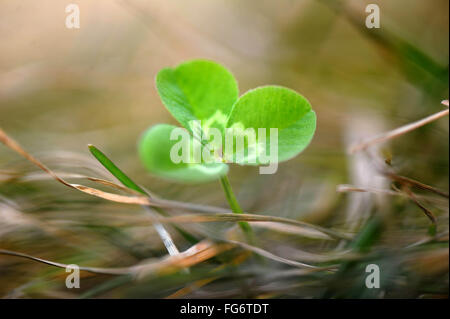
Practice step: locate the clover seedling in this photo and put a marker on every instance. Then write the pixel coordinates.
(203, 97)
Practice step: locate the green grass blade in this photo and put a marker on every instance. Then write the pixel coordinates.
(113, 169)
(128, 182)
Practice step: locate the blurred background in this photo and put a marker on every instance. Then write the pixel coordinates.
(61, 89)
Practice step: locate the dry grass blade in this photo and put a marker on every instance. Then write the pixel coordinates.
(411, 182)
(96, 270)
(398, 131)
(427, 212)
(441, 236)
(203, 282)
(271, 256)
(132, 186)
(188, 206)
(12, 144)
(138, 199)
(196, 254)
(292, 230)
(111, 184)
(205, 218)
(344, 188)
(142, 200)
(44, 176)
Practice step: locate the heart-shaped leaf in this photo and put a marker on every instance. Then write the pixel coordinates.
(272, 107)
(156, 150)
(198, 90)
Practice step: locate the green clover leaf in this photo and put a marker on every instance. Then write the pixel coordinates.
(205, 91)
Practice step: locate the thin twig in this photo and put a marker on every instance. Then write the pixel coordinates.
(411, 182)
(398, 131)
(427, 212)
(344, 188)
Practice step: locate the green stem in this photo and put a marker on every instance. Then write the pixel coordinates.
(234, 205)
